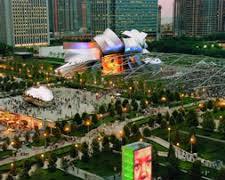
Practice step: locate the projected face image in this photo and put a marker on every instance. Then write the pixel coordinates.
(143, 164)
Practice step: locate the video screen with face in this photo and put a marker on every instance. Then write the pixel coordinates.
(143, 164)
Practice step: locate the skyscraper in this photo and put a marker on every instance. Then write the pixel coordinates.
(68, 16)
(101, 15)
(124, 15)
(196, 17)
(24, 22)
(221, 16)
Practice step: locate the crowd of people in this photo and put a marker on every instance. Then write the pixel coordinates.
(66, 103)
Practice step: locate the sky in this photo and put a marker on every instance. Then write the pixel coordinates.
(167, 10)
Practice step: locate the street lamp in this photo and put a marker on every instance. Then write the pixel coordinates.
(163, 99)
(192, 141)
(45, 135)
(88, 123)
(169, 129)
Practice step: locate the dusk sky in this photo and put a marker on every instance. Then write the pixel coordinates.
(167, 10)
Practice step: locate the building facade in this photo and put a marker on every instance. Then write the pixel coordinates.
(221, 16)
(68, 17)
(101, 15)
(196, 17)
(24, 22)
(124, 15)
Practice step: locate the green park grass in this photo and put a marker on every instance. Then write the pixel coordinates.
(5, 154)
(157, 146)
(102, 165)
(206, 148)
(47, 175)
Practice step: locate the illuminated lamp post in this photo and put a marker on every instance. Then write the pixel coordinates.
(163, 99)
(88, 123)
(130, 90)
(169, 129)
(45, 135)
(192, 141)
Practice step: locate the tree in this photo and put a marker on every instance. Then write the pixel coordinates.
(9, 177)
(151, 122)
(167, 116)
(73, 152)
(57, 132)
(111, 109)
(159, 118)
(85, 156)
(143, 104)
(95, 147)
(192, 118)
(172, 167)
(176, 137)
(40, 161)
(125, 103)
(119, 110)
(134, 105)
(147, 132)
(208, 122)
(195, 171)
(52, 162)
(65, 164)
(163, 124)
(36, 138)
(94, 118)
(4, 147)
(78, 119)
(210, 104)
(126, 131)
(115, 142)
(85, 150)
(221, 174)
(16, 142)
(221, 127)
(27, 137)
(105, 144)
(102, 109)
(134, 129)
(26, 168)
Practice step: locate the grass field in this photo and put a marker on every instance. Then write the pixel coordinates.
(42, 174)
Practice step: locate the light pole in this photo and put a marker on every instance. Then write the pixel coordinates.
(169, 129)
(192, 141)
(45, 135)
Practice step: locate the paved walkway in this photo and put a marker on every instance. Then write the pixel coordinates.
(186, 156)
(205, 137)
(109, 129)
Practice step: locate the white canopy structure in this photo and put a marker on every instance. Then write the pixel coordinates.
(131, 45)
(153, 61)
(139, 37)
(41, 93)
(109, 42)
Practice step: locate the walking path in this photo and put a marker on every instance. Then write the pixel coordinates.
(186, 156)
(205, 137)
(109, 129)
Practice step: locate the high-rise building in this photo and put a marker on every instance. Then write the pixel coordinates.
(101, 15)
(196, 17)
(68, 16)
(124, 15)
(159, 19)
(24, 22)
(221, 16)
